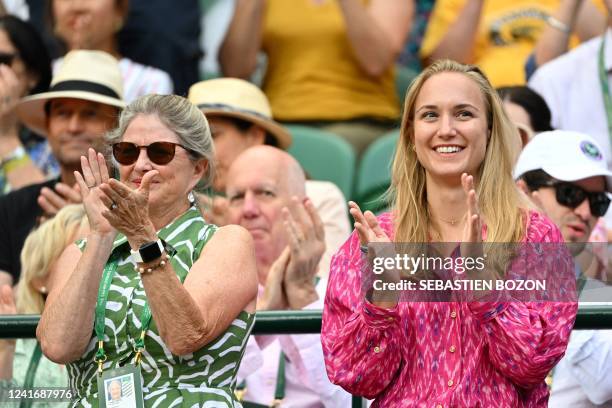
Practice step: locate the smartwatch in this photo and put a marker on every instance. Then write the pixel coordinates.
(148, 252)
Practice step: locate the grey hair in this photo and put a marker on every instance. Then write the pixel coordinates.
(181, 117)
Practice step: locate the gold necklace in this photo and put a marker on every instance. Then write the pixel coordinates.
(451, 222)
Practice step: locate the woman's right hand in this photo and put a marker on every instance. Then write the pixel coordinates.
(369, 231)
(94, 199)
(367, 225)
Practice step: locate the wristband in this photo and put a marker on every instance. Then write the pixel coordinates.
(558, 25)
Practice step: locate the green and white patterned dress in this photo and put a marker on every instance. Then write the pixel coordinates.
(206, 377)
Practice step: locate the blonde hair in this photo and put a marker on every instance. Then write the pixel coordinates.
(499, 199)
(41, 249)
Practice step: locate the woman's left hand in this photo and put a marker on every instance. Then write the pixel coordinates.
(129, 210)
(472, 232)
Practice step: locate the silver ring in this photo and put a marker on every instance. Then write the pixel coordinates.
(113, 206)
(364, 248)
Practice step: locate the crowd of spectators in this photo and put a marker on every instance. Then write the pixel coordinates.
(71, 71)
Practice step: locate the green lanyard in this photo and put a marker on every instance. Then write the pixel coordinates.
(605, 87)
(107, 278)
(29, 378)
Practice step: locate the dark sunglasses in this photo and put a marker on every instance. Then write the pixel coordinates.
(7, 58)
(571, 195)
(160, 153)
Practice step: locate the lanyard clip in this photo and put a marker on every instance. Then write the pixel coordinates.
(100, 356)
(138, 347)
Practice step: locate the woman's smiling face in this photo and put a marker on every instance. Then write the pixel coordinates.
(450, 126)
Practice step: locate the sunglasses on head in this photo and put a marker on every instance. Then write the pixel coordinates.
(7, 58)
(160, 153)
(571, 195)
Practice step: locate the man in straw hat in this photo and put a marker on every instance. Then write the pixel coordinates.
(240, 117)
(81, 105)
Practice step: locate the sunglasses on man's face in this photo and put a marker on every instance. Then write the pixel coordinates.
(7, 58)
(571, 195)
(160, 153)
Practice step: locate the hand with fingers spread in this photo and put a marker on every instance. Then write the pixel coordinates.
(95, 201)
(369, 232)
(307, 245)
(366, 225)
(128, 210)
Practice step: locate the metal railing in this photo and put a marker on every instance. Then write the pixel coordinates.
(592, 317)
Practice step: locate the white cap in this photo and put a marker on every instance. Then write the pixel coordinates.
(565, 156)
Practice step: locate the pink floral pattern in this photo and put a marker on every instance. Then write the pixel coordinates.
(479, 354)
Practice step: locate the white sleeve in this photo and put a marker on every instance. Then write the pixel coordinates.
(333, 210)
(589, 357)
(544, 83)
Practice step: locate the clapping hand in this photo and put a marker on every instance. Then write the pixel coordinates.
(53, 200)
(367, 226)
(274, 296)
(129, 209)
(307, 245)
(472, 231)
(95, 173)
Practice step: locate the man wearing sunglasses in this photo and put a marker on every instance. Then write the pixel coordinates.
(565, 174)
(81, 105)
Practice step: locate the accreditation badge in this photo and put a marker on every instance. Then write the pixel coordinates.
(120, 388)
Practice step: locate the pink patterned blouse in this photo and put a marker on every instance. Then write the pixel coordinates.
(478, 354)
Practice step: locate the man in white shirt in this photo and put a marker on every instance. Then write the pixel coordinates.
(574, 90)
(266, 194)
(565, 174)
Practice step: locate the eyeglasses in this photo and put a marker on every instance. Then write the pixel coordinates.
(571, 195)
(160, 153)
(7, 58)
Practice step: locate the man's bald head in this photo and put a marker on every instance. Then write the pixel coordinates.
(260, 183)
(255, 159)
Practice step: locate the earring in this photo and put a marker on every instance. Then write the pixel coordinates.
(191, 198)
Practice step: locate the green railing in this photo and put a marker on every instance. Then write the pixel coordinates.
(300, 322)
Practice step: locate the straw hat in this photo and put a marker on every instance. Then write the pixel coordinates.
(84, 74)
(238, 99)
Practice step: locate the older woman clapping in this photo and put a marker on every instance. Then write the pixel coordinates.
(151, 279)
